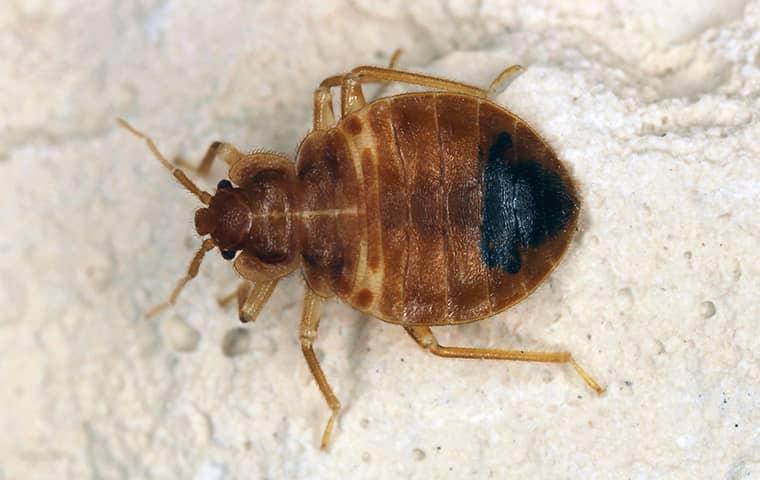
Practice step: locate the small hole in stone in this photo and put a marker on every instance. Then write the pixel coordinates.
(707, 309)
(364, 422)
(236, 342)
(97, 273)
(366, 458)
(180, 336)
(419, 454)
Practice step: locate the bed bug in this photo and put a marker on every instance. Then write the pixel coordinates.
(434, 208)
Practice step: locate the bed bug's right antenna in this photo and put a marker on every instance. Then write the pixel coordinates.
(204, 197)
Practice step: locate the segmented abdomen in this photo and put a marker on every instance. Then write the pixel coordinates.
(443, 209)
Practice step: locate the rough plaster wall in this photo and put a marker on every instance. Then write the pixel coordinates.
(655, 109)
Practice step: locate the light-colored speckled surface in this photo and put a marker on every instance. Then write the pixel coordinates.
(654, 108)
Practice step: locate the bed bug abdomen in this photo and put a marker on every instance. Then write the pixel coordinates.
(465, 208)
(530, 206)
(523, 205)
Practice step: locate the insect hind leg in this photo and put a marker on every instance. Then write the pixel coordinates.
(425, 339)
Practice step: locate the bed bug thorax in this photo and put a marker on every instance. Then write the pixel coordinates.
(423, 209)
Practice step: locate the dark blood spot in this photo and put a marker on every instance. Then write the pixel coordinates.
(523, 205)
(353, 125)
(364, 298)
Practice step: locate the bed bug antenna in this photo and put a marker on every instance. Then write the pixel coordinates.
(204, 197)
(192, 271)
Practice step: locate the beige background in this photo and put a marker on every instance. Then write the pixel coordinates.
(653, 107)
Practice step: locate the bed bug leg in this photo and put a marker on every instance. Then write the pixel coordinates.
(324, 117)
(370, 74)
(507, 74)
(394, 58)
(192, 271)
(225, 151)
(392, 63)
(425, 338)
(351, 95)
(252, 300)
(308, 334)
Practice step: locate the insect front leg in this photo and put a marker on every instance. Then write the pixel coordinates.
(224, 151)
(425, 338)
(251, 298)
(307, 335)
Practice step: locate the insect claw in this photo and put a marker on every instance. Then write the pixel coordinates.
(586, 377)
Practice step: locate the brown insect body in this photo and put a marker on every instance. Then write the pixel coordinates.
(421, 209)
(385, 211)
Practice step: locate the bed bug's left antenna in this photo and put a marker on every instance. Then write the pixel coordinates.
(192, 271)
(204, 197)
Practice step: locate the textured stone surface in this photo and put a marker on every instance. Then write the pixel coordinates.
(653, 107)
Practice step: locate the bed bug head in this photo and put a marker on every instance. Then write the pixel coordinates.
(250, 213)
(227, 219)
(224, 217)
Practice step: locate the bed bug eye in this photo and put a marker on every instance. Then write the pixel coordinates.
(228, 254)
(224, 184)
